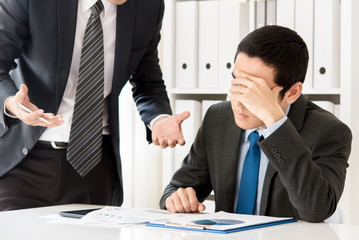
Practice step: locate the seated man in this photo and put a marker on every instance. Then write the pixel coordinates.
(299, 168)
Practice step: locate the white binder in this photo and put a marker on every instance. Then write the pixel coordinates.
(326, 43)
(233, 26)
(189, 128)
(326, 105)
(304, 26)
(337, 110)
(271, 10)
(285, 13)
(186, 42)
(260, 14)
(208, 44)
(207, 104)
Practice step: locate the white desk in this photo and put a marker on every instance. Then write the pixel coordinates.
(27, 225)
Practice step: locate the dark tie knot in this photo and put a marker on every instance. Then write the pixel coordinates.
(97, 8)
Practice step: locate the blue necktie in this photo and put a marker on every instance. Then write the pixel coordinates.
(247, 193)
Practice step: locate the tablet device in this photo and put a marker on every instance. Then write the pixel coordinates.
(77, 213)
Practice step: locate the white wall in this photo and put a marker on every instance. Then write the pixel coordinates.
(141, 162)
(350, 88)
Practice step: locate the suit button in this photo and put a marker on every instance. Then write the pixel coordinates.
(274, 150)
(280, 161)
(25, 151)
(277, 155)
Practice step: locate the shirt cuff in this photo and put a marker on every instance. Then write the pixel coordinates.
(7, 113)
(150, 125)
(268, 131)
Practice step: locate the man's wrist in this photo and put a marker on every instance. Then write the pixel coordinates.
(6, 112)
(268, 131)
(153, 121)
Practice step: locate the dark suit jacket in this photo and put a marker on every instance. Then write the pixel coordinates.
(307, 162)
(40, 35)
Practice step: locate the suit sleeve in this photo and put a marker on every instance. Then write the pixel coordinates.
(149, 91)
(13, 33)
(312, 174)
(193, 172)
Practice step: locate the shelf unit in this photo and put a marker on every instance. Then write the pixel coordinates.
(346, 95)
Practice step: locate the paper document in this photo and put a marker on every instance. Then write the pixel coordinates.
(219, 222)
(120, 216)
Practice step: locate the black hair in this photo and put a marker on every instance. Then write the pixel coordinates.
(280, 48)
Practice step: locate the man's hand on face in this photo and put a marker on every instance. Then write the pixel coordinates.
(32, 119)
(184, 200)
(255, 94)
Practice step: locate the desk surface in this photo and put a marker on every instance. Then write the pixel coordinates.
(28, 225)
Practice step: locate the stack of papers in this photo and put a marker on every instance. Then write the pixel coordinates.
(117, 216)
(219, 222)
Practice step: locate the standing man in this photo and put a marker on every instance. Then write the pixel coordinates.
(67, 61)
(269, 151)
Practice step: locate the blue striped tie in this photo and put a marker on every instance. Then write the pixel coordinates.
(249, 180)
(85, 143)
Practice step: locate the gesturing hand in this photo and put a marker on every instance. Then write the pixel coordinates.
(11, 105)
(167, 130)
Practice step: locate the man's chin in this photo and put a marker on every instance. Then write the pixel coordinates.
(247, 124)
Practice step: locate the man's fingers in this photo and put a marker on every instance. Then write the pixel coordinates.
(55, 121)
(183, 116)
(39, 118)
(181, 140)
(189, 199)
(168, 142)
(170, 205)
(21, 95)
(167, 130)
(184, 200)
(177, 202)
(31, 118)
(171, 143)
(155, 141)
(196, 206)
(276, 90)
(201, 207)
(192, 199)
(162, 142)
(183, 194)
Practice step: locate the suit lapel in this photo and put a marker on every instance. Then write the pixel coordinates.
(229, 171)
(124, 31)
(67, 18)
(296, 116)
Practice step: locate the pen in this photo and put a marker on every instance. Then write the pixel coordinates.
(29, 111)
(185, 225)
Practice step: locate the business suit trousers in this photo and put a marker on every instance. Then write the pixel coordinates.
(45, 178)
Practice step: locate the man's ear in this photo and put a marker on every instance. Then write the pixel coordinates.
(293, 93)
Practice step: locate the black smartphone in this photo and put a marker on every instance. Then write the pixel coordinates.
(77, 213)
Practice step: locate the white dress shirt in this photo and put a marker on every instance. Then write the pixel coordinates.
(244, 143)
(108, 19)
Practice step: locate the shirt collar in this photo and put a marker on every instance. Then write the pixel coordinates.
(260, 131)
(87, 4)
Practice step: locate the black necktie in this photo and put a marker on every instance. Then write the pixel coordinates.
(85, 144)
